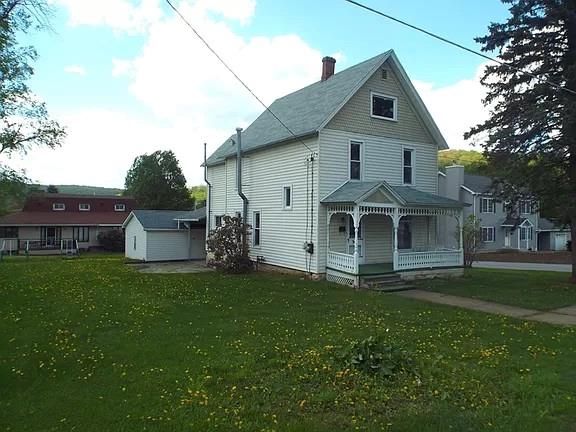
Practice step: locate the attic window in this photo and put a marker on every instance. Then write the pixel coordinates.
(84, 207)
(119, 207)
(383, 106)
(384, 74)
(58, 206)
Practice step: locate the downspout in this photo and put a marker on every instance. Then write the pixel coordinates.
(208, 201)
(239, 174)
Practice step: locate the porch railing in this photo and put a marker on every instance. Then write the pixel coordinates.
(415, 260)
(343, 262)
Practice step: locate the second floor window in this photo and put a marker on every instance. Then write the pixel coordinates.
(84, 207)
(58, 207)
(355, 160)
(408, 166)
(487, 205)
(119, 207)
(525, 207)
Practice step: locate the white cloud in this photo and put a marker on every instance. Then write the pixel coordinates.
(120, 15)
(75, 70)
(456, 107)
(102, 144)
(190, 96)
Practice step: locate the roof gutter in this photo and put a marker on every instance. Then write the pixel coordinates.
(239, 173)
(208, 201)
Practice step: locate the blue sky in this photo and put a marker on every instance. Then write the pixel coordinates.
(126, 77)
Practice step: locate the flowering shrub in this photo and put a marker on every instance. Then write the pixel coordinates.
(228, 245)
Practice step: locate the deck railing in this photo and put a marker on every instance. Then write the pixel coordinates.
(341, 261)
(429, 259)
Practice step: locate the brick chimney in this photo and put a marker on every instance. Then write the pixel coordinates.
(328, 64)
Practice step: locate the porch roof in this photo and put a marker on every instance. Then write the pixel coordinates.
(354, 192)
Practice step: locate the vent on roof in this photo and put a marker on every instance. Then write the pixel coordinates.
(384, 74)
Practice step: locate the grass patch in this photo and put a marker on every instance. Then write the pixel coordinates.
(529, 289)
(92, 345)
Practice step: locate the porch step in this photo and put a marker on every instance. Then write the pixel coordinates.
(388, 282)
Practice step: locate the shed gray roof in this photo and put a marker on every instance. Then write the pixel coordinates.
(307, 110)
(477, 183)
(168, 219)
(355, 191)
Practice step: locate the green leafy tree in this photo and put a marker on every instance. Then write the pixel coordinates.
(199, 194)
(12, 190)
(530, 135)
(24, 120)
(157, 182)
(474, 162)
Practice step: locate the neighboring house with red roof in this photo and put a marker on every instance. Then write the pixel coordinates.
(48, 221)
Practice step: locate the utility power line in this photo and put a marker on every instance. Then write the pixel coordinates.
(457, 45)
(183, 18)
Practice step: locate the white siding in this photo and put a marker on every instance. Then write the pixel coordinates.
(377, 239)
(135, 229)
(217, 193)
(265, 173)
(174, 245)
(382, 160)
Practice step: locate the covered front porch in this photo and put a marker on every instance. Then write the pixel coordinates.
(375, 229)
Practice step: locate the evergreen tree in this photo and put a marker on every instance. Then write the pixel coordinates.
(156, 182)
(530, 135)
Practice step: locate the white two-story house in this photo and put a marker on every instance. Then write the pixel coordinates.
(340, 178)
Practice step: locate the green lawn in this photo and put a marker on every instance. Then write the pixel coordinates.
(91, 345)
(528, 289)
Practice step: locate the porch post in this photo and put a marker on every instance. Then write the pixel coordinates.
(460, 228)
(356, 218)
(395, 223)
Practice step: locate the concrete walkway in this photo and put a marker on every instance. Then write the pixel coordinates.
(562, 316)
(523, 266)
(198, 266)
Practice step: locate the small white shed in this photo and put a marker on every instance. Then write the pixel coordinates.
(165, 235)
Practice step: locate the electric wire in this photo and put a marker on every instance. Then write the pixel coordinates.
(456, 44)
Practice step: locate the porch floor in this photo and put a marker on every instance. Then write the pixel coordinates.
(375, 269)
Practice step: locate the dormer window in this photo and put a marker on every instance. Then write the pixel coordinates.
(119, 207)
(383, 106)
(84, 207)
(58, 206)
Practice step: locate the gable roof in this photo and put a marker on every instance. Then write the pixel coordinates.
(478, 183)
(167, 219)
(356, 191)
(308, 110)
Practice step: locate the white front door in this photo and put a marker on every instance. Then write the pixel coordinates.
(507, 238)
(350, 241)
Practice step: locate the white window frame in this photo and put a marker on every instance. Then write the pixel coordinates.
(361, 161)
(119, 207)
(84, 207)
(413, 151)
(58, 206)
(256, 228)
(489, 200)
(284, 189)
(385, 96)
(488, 229)
(525, 203)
